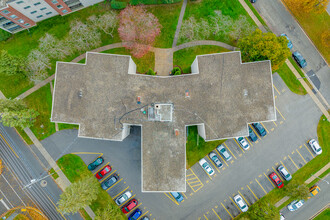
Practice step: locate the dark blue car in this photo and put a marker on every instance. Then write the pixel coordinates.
(253, 137)
(260, 129)
(136, 214)
(95, 163)
(299, 59)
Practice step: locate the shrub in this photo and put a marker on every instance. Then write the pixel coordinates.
(176, 71)
(151, 72)
(118, 5)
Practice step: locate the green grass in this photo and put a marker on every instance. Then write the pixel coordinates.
(24, 135)
(206, 8)
(53, 173)
(142, 64)
(323, 215)
(62, 126)
(12, 86)
(196, 147)
(317, 180)
(314, 25)
(300, 72)
(185, 57)
(255, 12)
(168, 16)
(290, 80)
(75, 169)
(41, 101)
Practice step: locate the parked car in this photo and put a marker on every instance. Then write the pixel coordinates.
(278, 182)
(314, 190)
(294, 205)
(299, 59)
(136, 214)
(289, 41)
(240, 203)
(253, 1)
(285, 174)
(103, 172)
(106, 184)
(129, 206)
(206, 166)
(260, 129)
(123, 197)
(315, 146)
(282, 216)
(177, 196)
(95, 163)
(215, 159)
(145, 218)
(253, 137)
(223, 152)
(243, 143)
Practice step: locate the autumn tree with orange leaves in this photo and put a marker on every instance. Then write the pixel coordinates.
(317, 6)
(138, 29)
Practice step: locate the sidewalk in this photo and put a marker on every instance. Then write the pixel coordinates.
(254, 18)
(178, 27)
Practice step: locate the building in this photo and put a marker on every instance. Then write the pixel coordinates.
(18, 15)
(105, 97)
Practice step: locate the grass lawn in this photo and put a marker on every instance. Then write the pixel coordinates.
(75, 169)
(205, 9)
(12, 86)
(255, 12)
(314, 25)
(196, 147)
(41, 101)
(185, 57)
(168, 16)
(290, 80)
(53, 173)
(62, 126)
(323, 215)
(142, 64)
(323, 133)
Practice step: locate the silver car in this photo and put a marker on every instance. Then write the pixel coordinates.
(123, 197)
(286, 175)
(215, 159)
(223, 152)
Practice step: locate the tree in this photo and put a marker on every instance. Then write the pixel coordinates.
(106, 22)
(296, 190)
(110, 212)
(11, 65)
(15, 113)
(317, 6)
(262, 209)
(38, 63)
(325, 38)
(138, 29)
(264, 46)
(79, 195)
(240, 28)
(53, 48)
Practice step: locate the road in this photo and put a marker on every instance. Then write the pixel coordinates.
(297, 119)
(21, 168)
(279, 20)
(312, 205)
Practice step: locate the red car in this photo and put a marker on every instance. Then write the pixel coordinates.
(129, 206)
(278, 182)
(103, 172)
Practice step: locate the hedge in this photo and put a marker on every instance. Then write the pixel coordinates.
(118, 5)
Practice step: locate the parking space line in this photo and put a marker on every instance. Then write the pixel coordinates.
(189, 175)
(252, 192)
(229, 150)
(234, 203)
(184, 195)
(276, 90)
(301, 156)
(134, 208)
(279, 176)
(191, 178)
(143, 215)
(247, 138)
(114, 184)
(223, 159)
(261, 186)
(100, 168)
(205, 217)
(211, 162)
(284, 166)
(122, 205)
(120, 192)
(56, 207)
(216, 214)
(171, 198)
(108, 175)
(239, 145)
(194, 182)
(280, 113)
(243, 198)
(255, 131)
(227, 211)
(196, 185)
(309, 150)
(293, 162)
(269, 180)
(201, 184)
(275, 123)
(101, 154)
(264, 127)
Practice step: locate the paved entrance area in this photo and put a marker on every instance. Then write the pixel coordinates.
(163, 61)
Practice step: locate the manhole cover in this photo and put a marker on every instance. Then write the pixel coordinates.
(43, 183)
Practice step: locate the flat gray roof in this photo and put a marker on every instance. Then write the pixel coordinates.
(224, 95)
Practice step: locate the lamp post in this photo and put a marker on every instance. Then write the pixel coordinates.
(307, 76)
(321, 179)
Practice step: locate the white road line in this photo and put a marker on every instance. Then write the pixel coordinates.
(6, 198)
(14, 190)
(5, 204)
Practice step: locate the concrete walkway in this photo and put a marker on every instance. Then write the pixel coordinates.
(203, 42)
(52, 92)
(254, 18)
(178, 27)
(318, 173)
(163, 61)
(36, 87)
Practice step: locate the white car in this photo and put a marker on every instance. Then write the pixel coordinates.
(243, 143)
(123, 197)
(240, 203)
(315, 146)
(206, 166)
(294, 205)
(223, 152)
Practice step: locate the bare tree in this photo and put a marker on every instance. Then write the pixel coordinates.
(53, 48)
(37, 63)
(106, 22)
(188, 29)
(241, 28)
(221, 24)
